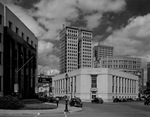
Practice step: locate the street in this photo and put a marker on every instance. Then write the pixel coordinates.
(122, 109)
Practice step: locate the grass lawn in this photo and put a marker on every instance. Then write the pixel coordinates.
(36, 104)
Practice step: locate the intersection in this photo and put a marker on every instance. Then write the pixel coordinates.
(122, 109)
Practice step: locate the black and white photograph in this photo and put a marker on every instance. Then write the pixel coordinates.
(74, 58)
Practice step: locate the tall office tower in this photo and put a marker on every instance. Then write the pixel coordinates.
(102, 51)
(75, 49)
(85, 49)
(148, 71)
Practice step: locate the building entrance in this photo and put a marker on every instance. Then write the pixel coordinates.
(93, 94)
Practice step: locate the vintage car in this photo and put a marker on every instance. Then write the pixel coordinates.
(97, 100)
(76, 102)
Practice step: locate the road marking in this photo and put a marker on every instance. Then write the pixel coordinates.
(37, 115)
(65, 114)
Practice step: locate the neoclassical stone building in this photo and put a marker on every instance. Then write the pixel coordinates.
(88, 83)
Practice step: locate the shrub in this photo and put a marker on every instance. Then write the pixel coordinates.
(39, 106)
(10, 102)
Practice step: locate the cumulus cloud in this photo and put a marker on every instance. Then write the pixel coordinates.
(93, 20)
(45, 20)
(46, 56)
(109, 29)
(27, 19)
(96, 8)
(47, 70)
(134, 39)
(101, 5)
(53, 14)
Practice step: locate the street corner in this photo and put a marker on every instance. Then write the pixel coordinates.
(74, 109)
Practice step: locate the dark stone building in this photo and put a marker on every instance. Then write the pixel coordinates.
(19, 57)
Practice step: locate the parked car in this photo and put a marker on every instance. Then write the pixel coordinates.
(129, 99)
(76, 102)
(116, 100)
(97, 100)
(147, 100)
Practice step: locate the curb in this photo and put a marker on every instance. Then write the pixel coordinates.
(35, 112)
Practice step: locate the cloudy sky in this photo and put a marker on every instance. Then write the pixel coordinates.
(124, 24)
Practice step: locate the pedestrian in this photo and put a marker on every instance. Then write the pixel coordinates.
(57, 101)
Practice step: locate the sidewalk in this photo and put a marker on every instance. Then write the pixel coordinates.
(60, 109)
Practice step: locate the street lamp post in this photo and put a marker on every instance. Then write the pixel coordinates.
(71, 90)
(66, 107)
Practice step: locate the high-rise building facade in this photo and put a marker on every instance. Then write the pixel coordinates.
(123, 63)
(18, 56)
(148, 71)
(75, 49)
(102, 51)
(119, 62)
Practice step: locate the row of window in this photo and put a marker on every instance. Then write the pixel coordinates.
(72, 41)
(87, 40)
(72, 34)
(87, 50)
(73, 61)
(60, 85)
(120, 66)
(87, 46)
(72, 31)
(71, 64)
(72, 48)
(88, 34)
(22, 34)
(72, 54)
(123, 97)
(88, 56)
(123, 61)
(124, 84)
(89, 53)
(73, 51)
(87, 43)
(86, 65)
(71, 44)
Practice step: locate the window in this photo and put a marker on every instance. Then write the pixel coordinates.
(32, 43)
(75, 84)
(116, 84)
(17, 30)
(28, 39)
(113, 84)
(0, 37)
(10, 24)
(35, 46)
(0, 83)
(22, 35)
(0, 19)
(0, 58)
(119, 84)
(93, 81)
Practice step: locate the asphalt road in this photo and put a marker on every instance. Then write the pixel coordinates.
(122, 109)
(125, 109)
